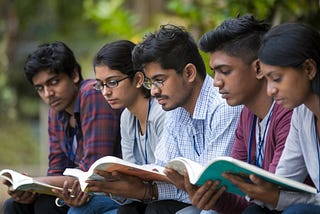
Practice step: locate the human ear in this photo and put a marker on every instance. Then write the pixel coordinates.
(75, 76)
(257, 68)
(139, 78)
(310, 67)
(190, 72)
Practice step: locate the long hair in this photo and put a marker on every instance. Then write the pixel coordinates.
(118, 56)
(290, 45)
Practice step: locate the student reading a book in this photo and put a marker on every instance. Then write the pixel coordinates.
(143, 118)
(199, 124)
(82, 127)
(122, 86)
(290, 61)
(263, 125)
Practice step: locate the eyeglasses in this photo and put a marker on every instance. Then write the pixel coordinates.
(110, 84)
(147, 83)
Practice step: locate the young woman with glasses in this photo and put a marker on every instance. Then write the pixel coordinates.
(142, 119)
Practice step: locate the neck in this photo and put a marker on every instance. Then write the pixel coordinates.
(193, 97)
(313, 103)
(70, 107)
(140, 110)
(261, 105)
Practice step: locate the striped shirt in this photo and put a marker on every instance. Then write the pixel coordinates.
(207, 134)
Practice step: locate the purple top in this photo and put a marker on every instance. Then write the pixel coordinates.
(276, 137)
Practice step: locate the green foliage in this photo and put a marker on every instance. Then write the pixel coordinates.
(206, 14)
(112, 18)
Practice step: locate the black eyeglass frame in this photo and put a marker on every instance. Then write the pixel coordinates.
(147, 83)
(99, 86)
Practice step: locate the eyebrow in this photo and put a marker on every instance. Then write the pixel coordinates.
(47, 81)
(107, 79)
(219, 66)
(157, 76)
(268, 74)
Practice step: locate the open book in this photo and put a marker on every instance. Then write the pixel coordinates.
(110, 164)
(198, 174)
(26, 183)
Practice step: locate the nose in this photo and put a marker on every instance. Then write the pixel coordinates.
(271, 90)
(154, 90)
(48, 91)
(106, 91)
(217, 81)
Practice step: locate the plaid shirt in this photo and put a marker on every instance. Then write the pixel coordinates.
(97, 132)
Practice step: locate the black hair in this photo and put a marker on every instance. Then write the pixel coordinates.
(172, 47)
(239, 37)
(55, 57)
(289, 45)
(117, 56)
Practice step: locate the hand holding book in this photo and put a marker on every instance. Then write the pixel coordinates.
(214, 170)
(256, 188)
(22, 182)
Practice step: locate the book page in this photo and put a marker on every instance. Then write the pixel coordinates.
(15, 178)
(180, 164)
(149, 172)
(26, 183)
(143, 172)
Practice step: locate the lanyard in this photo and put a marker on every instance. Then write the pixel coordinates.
(146, 134)
(258, 161)
(317, 145)
(68, 140)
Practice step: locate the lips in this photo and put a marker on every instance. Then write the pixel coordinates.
(54, 102)
(161, 101)
(224, 94)
(112, 101)
(279, 100)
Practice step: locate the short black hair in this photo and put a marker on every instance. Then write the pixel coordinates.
(172, 47)
(239, 37)
(55, 57)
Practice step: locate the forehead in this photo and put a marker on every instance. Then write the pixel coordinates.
(219, 58)
(268, 70)
(43, 76)
(154, 69)
(104, 72)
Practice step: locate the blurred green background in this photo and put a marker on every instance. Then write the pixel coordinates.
(85, 25)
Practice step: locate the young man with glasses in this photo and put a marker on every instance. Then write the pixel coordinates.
(199, 124)
(82, 128)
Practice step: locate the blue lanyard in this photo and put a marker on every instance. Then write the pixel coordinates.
(317, 145)
(261, 141)
(68, 140)
(253, 124)
(146, 136)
